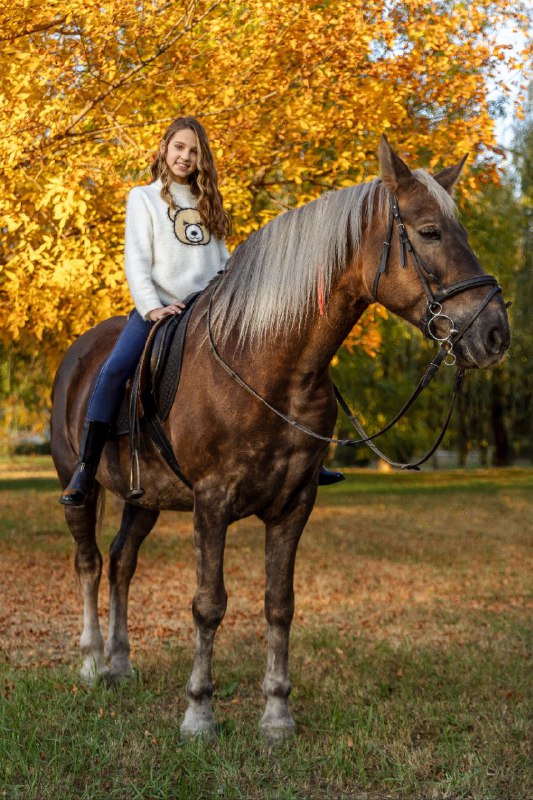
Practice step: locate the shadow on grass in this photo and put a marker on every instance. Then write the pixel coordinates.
(29, 484)
(441, 482)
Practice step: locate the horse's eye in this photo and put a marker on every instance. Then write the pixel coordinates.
(429, 233)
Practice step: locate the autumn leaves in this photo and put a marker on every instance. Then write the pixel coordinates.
(294, 95)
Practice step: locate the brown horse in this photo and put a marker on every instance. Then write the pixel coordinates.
(290, 295)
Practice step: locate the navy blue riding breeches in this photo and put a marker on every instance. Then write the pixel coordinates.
(119, 366)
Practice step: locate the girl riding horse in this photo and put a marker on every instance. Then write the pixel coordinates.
(175, 243)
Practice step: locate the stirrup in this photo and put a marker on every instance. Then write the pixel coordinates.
(136, 489)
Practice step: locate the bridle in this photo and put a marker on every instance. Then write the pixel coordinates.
(427, 277)
(434, 312)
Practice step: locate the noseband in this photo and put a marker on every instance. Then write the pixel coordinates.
(427, 277)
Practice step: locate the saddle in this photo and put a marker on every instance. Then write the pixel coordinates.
(150, 394)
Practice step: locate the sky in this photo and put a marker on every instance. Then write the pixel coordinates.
(513, 79)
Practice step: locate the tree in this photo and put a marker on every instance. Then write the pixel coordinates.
(295, 97)
(494, 225)
(519, 366)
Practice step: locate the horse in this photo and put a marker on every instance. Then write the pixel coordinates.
(288, 298)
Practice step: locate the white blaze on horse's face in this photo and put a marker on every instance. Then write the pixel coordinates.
(182, 155)
(189, 226)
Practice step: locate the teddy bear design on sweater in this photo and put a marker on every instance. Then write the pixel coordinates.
(188, 226)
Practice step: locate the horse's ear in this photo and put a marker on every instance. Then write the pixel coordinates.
(448, 177)
(394, 172)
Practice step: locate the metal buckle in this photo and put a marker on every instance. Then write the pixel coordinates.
(449, 355)
(435, 309)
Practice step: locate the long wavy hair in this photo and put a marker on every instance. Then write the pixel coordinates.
(203, 181)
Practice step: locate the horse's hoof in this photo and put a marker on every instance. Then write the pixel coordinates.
(115, 678)
(198, 725)
(91, 676)
(120, 669)
(203, 731)
(275, 734)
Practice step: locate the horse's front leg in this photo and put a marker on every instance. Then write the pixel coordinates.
(282, 541)
(209, 607)
(83, 523)
(136, 524)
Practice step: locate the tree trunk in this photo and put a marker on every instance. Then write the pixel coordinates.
(462, 433)
(502, 449)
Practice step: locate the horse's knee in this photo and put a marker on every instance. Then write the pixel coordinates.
(279, 612)
(88, 561)
(209, 609)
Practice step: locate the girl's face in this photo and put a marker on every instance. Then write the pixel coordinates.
(182, 155)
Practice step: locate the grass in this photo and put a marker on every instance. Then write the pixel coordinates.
(409, 653)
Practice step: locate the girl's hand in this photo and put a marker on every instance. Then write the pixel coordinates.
(165, 311)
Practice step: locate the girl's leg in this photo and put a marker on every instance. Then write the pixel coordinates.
(104, 405)
(119, 366)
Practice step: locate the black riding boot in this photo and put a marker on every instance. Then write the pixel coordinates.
(93, 439)
(326, 477)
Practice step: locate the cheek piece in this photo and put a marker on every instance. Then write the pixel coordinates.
(435, 300)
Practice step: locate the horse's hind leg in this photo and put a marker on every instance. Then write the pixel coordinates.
(136, 524)
(209, 607)
(280, 554)
(88, 561)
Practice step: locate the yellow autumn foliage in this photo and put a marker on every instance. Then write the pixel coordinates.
(294, 96)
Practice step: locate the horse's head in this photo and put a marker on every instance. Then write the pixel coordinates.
(431, 276)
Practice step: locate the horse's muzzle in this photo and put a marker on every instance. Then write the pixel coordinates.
(486, 341)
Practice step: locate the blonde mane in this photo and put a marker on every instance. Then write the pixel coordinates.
(272, 280)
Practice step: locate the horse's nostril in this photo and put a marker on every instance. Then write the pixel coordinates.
(495, 340)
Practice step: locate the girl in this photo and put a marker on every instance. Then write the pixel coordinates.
(175, 232)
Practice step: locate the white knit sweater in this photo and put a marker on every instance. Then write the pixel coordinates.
(168, 255)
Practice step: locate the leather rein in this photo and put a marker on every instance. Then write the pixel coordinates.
(434, 312)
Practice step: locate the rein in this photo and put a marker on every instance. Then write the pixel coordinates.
(434, 312)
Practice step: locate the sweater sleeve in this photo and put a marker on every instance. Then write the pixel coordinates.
(138, 253)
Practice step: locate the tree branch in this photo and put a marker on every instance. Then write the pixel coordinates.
(44, 26)
(131, 74)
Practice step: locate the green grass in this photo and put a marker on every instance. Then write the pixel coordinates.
(374, 721)
(409, 661)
